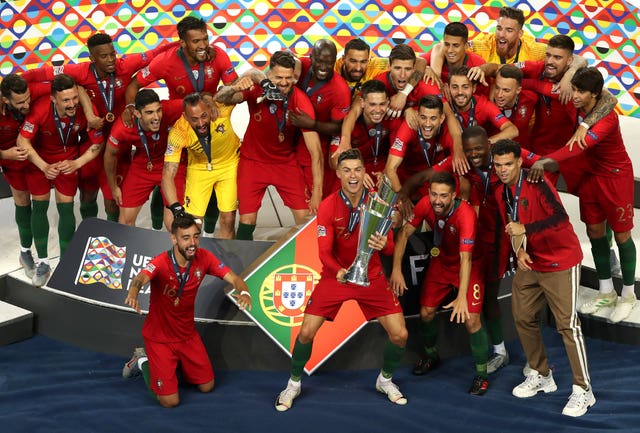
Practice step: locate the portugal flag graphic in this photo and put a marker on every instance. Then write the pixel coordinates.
(103, 263)
(280, 286)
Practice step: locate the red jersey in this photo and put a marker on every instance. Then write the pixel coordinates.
(553, 126)
(270, 137)
(373, 142)
(11, 122)
(40, 128)
(167, 322)
(482, 112)
(331, 100)
(123, 138)
(421, 89)
(337, 247)
(458, 230)
(551, 241)
(168, 66)
(606, 153)
(471, 59)
(419, 154)
(126, 67)
(520, 115)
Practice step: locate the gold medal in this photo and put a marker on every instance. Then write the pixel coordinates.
(149, 166)
(209, 166)
(110, 117)
(281, 137)
(435, 252)
(176, 302)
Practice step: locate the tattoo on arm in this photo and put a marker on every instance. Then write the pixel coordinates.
(604, 106)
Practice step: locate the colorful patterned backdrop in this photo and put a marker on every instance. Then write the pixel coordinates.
(36, 32)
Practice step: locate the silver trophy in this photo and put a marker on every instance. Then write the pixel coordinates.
(375, 216)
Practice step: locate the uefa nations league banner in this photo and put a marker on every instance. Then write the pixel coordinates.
(104, 257)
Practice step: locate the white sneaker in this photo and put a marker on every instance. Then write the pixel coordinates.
(497, 361)
(579, 401)
(533, 384)
(600, 301)
(623, 308)
(527, 370)
(391, 390)
(286, 397)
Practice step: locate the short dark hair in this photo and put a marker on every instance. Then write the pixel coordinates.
(352, 153)
(562, 41)
(444, 177)
(356, 45)
(62, 82)
(373, 86)
(512, 13)
(511, 71)
(183, 222)
(191, 100)
(588, 79)
(99, 39)
(457, 29)
(506, 146)
(284, 59)
(145, 97)
(461, 71)
(432, 102)
(190, 23)
(402, 52)
(13, 83)
(474, 131)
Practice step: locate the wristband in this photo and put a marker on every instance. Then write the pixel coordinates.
(407, 89)
(244, 292)
(585, 125)
(130, 105)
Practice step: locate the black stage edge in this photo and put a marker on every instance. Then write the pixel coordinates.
(235, 343)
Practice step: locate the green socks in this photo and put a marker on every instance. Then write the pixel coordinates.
(245, 231)
(212, 214)
(392, 357)
(157, 209)
(299, 357)
(494, 329)
(627, 252)
(23, 220)
(88, 209)
(429, 336)
(480, 351)
(40, 227)
(600, 251)
(144, 368)
(66, 225)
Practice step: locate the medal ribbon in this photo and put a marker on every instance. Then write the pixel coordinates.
(472, 115)
(512, 202)
(206, 145)
(182, 277)
(64, 138)
(198, 86)
(319, 84)
(354, 213)
(508, 112)
(107, 94)
(439, 231)
(424, 144)
(282, 121)
(144, 141)
(485, 178)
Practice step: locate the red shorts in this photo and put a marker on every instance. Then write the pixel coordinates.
(608, 198)
(573, 170)
(139, 182)
(330, 182)
(38, 184)
(164, 359)
(441, 280)
(377, 300)
(16, 177)
(89, 174)
(254, 177)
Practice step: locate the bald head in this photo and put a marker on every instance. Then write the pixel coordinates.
(323, 59)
